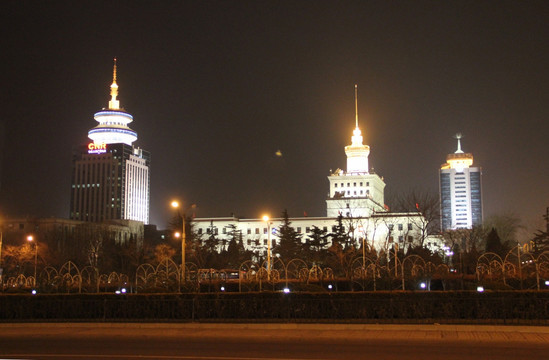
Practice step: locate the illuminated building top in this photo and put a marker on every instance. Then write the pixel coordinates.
(357, 153)
(458, 160)
(113, 122)
(356, 192)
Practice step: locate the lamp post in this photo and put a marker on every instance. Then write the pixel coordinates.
(266, 219)
(362, 235)
(1, 270)
(30, 238)
(175, 205)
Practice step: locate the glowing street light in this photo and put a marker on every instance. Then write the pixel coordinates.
(30, 238)
(1, 270)
(175, 205)
(266, 219)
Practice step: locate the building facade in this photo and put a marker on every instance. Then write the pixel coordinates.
(357, 195)
(460, 191)
(111, 177)
(63, 233)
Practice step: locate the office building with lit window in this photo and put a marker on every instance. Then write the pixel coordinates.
(460, 191)
(111, 177)
(356, 194)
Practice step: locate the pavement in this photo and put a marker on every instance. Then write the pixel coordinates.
(281, 331)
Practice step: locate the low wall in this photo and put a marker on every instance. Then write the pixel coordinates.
(513, 307)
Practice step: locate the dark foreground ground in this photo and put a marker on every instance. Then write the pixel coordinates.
(270, 341)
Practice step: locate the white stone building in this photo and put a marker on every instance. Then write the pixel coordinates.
(357, 194)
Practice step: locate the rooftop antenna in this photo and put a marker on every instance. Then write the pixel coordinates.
(458, 137)
(356, 105)
(114, 104)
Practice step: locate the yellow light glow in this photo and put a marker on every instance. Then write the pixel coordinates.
(177, 234)
(265, 217)
(175, 204)
(30, 238)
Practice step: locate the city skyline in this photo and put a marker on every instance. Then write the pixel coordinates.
(246, 107)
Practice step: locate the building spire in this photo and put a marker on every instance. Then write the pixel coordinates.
(357, 152)
(356, 105)
(458, 137)
(114, 104)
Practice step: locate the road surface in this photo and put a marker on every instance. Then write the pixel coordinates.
(83, 341)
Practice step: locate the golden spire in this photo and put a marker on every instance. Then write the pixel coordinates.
(356, 105)
(114, 104)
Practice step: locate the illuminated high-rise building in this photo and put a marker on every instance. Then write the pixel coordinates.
(460, 191)
(111, 177)
(357, 192)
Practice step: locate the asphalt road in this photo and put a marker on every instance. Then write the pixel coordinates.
(271, 341)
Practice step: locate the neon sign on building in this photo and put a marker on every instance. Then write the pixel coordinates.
(94, 148)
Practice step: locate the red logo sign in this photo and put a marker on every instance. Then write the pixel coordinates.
(94, 148)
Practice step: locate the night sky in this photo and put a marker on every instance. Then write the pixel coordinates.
(216, 88)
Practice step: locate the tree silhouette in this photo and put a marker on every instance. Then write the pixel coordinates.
(289, 241)
(493, 243)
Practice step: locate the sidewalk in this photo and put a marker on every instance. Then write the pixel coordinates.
(351, 332)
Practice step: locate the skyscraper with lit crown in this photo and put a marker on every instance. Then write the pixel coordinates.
(460, 191)
(357, 192)
(111, 177)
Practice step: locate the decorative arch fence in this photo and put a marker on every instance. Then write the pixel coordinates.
(517, 270)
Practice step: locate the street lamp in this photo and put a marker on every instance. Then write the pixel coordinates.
(363, 235)
(175, 205)
(30, 238)
(266, 219)
(1, 270)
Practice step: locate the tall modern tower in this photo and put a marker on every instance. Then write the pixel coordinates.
(460, 191)
(111, 177)
(356, 192)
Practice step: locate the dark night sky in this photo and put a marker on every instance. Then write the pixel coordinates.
(216, 88)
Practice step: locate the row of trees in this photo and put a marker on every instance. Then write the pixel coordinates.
(334, 249)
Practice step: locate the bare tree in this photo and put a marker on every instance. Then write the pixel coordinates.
(507, 226)
(426, 204)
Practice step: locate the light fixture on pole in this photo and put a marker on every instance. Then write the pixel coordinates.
(175, 205)
(1, 270)
(267, 220)
(362, 235)
(30, 238)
